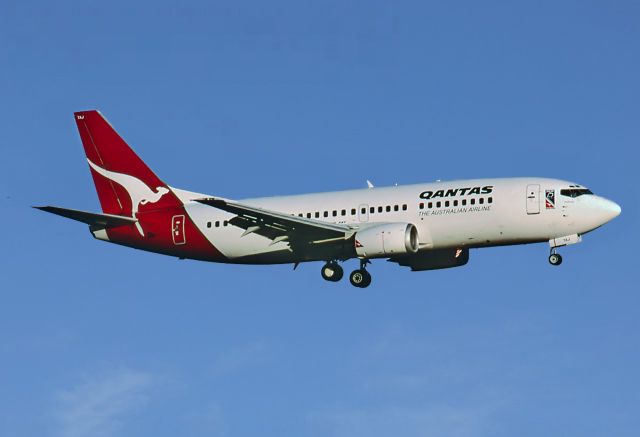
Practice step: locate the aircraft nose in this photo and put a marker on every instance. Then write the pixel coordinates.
(609, 209)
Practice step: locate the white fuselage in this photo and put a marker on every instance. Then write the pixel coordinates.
(423, 226)
(448, 214)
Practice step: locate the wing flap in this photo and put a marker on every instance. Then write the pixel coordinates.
(250, 227)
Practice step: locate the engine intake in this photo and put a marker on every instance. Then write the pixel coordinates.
(387, 239)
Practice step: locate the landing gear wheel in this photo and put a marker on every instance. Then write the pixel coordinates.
(360, 278)
(332, 271)
(555, 259)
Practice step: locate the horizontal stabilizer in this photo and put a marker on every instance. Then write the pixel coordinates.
(97, 221)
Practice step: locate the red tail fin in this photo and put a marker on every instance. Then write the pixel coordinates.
(127, 187)
(123, 181)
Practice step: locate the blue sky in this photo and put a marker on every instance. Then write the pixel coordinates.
(262, 98)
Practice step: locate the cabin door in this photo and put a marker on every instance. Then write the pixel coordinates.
(533, 199)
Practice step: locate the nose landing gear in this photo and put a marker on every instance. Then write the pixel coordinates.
(554, 258)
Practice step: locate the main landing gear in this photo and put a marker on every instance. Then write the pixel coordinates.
(332, 271)
(554, 258)
(360, 278)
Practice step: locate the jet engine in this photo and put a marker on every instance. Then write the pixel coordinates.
(386, 240)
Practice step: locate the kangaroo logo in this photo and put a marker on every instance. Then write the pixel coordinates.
(138, 191)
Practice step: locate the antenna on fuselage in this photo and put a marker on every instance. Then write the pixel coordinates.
(369, 184)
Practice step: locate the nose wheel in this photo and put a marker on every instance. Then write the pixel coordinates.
(332, 272)
(555, 259)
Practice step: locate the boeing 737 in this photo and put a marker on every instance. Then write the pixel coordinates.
(424, 226)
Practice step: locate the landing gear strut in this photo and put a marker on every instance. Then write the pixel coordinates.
(332, 271)
(554, 258)
(360, 278)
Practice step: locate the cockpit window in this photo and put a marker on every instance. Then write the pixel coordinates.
(575, 192)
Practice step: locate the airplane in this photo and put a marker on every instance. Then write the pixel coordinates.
(423, 226)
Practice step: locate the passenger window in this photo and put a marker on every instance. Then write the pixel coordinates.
(464, 202)
(490, 200)
(404, 207)
(395, 207)
(446, 204)
(388, 208)
(421, 205)
(344, 212)
(363, 210)
(481, 200)
(379, 209)
(326, 214)
(335, 213)
(208, 224)
(455, 203)
(438, 204)
(217, 224)
(353, 211)
(225, 223)
(308, 215)
(317, 214)
(473, 201)
(430, 205)
(372, 210)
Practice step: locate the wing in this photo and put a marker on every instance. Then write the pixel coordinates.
(278, 226)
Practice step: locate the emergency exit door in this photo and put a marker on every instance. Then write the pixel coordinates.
(533, 199)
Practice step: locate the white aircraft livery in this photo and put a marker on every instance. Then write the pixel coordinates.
(424, 226)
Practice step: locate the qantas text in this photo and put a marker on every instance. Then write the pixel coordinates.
(456, 192)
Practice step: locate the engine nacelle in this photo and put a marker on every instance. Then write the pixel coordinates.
(385, 240)
(434, 259)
